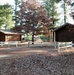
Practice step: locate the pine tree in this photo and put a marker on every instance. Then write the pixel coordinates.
(6, 16)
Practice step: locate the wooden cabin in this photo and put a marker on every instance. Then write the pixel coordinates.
(64, 33)
(9, 36)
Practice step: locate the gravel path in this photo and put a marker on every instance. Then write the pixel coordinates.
(39, 61)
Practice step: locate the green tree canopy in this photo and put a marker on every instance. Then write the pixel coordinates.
(52, 9)
(6, 14)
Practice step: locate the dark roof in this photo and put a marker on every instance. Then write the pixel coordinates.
(8, 32)
(62, 26)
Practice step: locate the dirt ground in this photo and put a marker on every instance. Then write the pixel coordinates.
(36, 61)
(24, 50)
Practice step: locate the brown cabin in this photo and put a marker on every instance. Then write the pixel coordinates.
(64, 33)
(9, 36)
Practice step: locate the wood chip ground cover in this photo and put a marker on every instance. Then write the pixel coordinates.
(38, 64)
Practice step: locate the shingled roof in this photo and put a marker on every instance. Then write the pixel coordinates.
(62, 26)
(8, 32)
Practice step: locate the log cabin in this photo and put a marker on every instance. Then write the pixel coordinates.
(9, 36)
(64, 33)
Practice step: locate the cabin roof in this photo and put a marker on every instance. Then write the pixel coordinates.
(8, 32)
(62, 26)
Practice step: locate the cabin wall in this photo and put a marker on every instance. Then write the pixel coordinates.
(13, 37)
(65, 34)
(2, 36)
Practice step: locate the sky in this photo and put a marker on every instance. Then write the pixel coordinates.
(10, 1)
(68, 17)
(7, 1)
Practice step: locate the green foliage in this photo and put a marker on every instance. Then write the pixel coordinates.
(44, 38)
(51, 8)
(6, 16)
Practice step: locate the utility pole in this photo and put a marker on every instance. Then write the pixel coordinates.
(21, 14)
(72, 10)
(64, 11)
(15, 11)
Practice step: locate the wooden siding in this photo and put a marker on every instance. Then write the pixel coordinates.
(65, 34)
(12, 37)
(2, 37)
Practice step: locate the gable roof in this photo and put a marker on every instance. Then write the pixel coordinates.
(8, 32)
(62, 26)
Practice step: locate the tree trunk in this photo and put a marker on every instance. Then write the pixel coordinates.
(33, 35)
